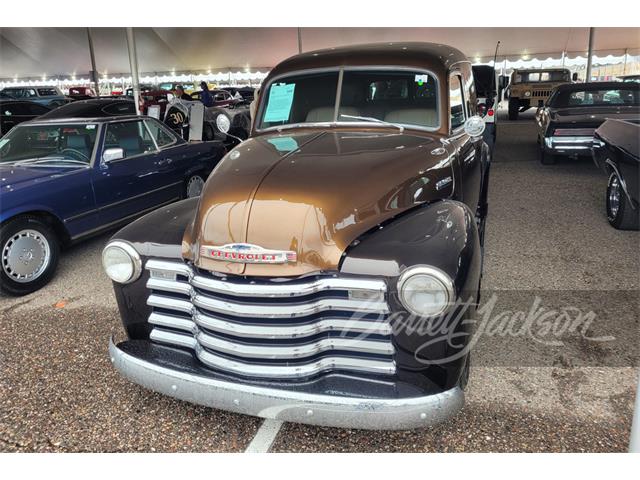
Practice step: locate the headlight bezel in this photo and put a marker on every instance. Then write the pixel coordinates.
(435, 273)
(132, 254)
(228, 120)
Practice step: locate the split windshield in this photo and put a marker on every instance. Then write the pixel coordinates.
(64, 144)
(375, 96)
(542, 76)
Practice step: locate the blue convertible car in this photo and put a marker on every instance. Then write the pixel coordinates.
(63, 180)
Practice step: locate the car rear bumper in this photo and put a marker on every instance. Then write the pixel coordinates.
(577, 145)
(287, 405)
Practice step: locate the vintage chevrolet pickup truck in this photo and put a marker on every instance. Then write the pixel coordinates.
(327, 272)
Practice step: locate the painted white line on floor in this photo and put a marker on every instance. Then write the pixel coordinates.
(265, 436)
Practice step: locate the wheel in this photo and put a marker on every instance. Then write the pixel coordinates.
(194, 185)
(545, 157)
(514, 107)
(30, 251)
(619, 211)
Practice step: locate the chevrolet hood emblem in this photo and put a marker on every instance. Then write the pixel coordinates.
(247, 253)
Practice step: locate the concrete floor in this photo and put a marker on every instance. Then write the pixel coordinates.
(547, 237)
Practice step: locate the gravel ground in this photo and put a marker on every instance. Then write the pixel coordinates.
(547, 232)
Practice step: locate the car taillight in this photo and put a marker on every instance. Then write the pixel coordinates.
(574, 132)
(490, 112)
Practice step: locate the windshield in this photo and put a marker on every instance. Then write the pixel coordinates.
(597, 97)
(49, 144)
(375, 96)
(542, 76)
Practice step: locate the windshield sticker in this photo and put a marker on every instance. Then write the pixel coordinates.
(280, 100)
(421, 79)
(90, 127)
(284, 144)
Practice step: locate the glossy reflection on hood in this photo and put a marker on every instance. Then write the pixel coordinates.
(314, 193)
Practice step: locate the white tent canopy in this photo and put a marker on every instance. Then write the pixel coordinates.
(38, 52)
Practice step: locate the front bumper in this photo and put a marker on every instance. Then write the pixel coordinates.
(288, 405)
(579, 145)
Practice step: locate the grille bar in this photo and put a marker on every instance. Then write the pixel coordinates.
(279, 290)
(271, 332)
(294, 352)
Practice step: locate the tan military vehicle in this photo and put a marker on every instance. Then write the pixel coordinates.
(532, 87)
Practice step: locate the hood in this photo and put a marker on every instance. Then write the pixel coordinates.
(593, 115)
(312, 193)
(18, 177)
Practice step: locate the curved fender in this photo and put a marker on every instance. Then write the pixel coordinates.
(443, 235)
(157, 234)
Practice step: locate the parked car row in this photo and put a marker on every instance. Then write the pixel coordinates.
(598, 119)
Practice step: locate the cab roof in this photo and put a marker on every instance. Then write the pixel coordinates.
(435, 57)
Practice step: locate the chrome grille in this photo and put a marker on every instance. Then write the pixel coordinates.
(272, 328)
(541, 93)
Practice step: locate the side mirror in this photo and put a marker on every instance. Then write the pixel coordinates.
(574, 77)
(112, 154)
(474, 126)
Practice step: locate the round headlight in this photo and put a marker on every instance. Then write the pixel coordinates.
(425, 291)
(121, 262)
(527, 93)
(223, 123)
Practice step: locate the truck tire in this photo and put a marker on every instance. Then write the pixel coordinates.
(620, 213)
(29, 251)
(514, 107)
(547, 158)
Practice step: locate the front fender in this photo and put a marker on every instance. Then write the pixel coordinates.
(443, 235)
(159, 235)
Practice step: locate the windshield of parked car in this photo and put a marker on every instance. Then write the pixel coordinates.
(398, 97)
(542, 76)
(596, 97)
(42, 145)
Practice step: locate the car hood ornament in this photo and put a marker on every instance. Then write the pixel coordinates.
(247, 253)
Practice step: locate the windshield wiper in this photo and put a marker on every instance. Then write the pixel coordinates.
(372, 119)
(40, 161)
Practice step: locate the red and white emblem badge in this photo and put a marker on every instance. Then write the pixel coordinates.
(247, 253)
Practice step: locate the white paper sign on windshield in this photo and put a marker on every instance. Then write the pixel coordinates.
(280, 101)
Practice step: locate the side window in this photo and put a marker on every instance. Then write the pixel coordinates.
(456, 102)
(132, 137)
(120, 108)
(161, 136)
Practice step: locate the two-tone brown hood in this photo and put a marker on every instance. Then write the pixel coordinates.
(313, 192)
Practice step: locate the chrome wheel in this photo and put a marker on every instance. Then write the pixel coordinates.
(614, 196)
(194, 186)
(25, 256)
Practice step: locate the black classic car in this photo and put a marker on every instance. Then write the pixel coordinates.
(94, 108)
(616, 150)
(573, 112)
(307, 281)
(13, 112)
(63, 180)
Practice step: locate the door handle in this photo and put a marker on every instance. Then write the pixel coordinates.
(166, 161)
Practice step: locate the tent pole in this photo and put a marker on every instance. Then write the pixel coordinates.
(299, 40)
(94, 70)
(624, 68)
(133, 63)
(590, 54)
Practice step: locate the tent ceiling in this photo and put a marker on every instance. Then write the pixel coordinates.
(26, 52)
